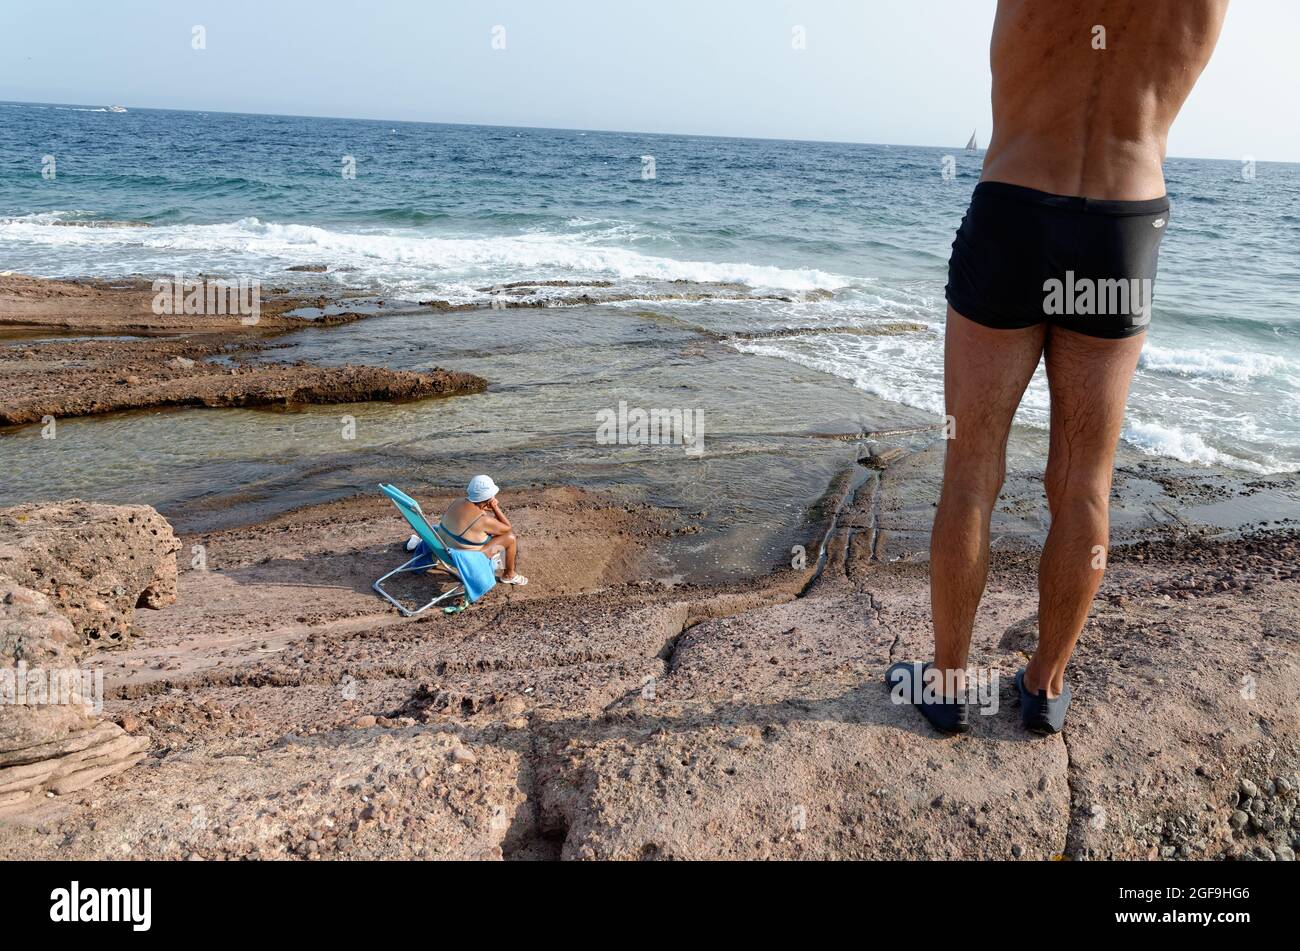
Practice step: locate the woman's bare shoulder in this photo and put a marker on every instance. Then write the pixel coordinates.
(455, 510)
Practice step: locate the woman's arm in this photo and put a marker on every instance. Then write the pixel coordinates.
(500, 517)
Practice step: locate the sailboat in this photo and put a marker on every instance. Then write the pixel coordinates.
(972, 145)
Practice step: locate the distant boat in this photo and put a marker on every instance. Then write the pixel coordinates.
(972, 145)
(117, 108)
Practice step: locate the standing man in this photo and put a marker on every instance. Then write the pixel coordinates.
(1055, 260)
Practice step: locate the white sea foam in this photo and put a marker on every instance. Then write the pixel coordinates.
(908, 369)
(1175, 443)
(1199, 405)
(398, 258)
(1210, 363)
(900, 369)
(36, 218)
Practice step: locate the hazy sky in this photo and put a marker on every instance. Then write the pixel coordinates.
(897, 71)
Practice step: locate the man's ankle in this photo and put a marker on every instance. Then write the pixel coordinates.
(1034, 680)
(952, 685)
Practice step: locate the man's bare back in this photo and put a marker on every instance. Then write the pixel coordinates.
(1072, 118)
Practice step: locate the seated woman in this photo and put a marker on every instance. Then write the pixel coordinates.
(477, 523)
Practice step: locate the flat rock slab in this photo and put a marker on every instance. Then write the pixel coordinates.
(211, 365)
(290, 601)
(32, 392)
(125, 306)
(365, 647)
(646, 722)
(1177, 705)
(814, 762)
(373, 793)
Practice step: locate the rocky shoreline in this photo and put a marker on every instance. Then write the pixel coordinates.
(176, 361)
(594, 715)
(261, 702)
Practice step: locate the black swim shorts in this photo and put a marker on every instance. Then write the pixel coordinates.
(1023, 257)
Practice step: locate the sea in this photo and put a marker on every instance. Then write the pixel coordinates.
(779, 288)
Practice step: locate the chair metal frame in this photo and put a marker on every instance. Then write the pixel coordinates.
(434, 553)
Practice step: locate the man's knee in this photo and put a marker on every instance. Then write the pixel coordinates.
(973, 480)
(977, 491)
(1077, 494)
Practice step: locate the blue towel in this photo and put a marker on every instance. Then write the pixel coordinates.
(474, 568)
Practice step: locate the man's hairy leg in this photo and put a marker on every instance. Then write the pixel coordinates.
(1089, 381)
(985, 375)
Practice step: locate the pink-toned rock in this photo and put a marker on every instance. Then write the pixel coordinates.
(71, 573)
(97, 563)
(49, 739)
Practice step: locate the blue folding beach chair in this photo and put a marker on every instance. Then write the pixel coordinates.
(432, 554)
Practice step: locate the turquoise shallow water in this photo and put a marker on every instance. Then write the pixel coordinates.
(823, 237)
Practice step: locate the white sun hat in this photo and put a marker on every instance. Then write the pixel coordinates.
(481, 488)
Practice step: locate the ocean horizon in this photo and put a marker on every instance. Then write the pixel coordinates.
(92, 107)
